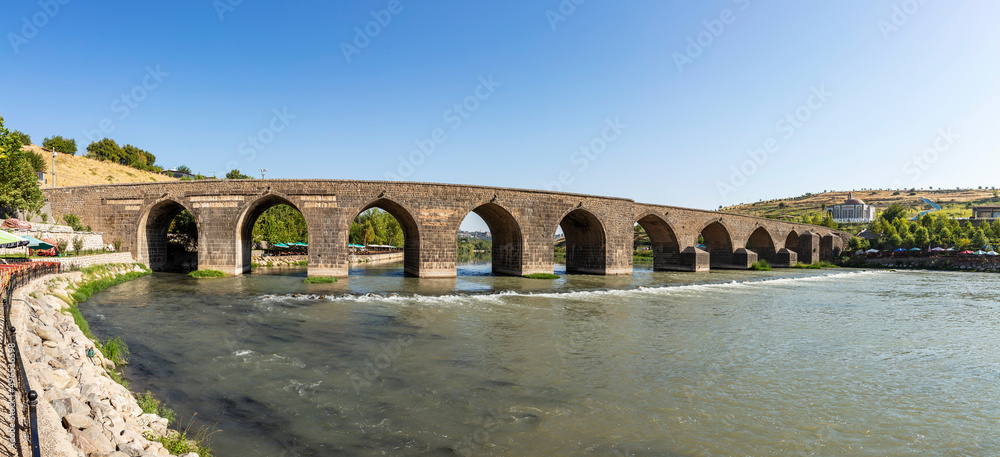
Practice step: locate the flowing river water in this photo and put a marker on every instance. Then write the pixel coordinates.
(790, 362)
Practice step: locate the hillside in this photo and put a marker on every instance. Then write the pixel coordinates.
(953, 202)
(81, 171)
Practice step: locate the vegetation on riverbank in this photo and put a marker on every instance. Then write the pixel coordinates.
(320, 280)
(541, 276)
(761, 265)
(200, 274)
(815, 266)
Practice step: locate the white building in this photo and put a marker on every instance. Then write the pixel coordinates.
(852, 211)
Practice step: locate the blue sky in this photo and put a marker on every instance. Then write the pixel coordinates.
(695, 104)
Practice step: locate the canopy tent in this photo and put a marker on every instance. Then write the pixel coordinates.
(859, 252)
(900, 250)
(965, 252)
(950, 249)
(872, 251)
(280, 245)
(8, 240)
(915, 249)
(298, 244)
(991, 253)
(937, 249)
(979, 252)
(355, 246)
(35, 243)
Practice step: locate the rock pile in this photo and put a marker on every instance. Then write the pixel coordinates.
(81, 410)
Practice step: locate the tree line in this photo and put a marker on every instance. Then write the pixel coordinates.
(893, 231)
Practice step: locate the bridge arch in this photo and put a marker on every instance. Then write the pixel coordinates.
(411, 232)
(248, 218)
(663, 241)
(154, 223)
(508, 240)
(761, 242)
(586, 242)
(792, 241)
(719, 244)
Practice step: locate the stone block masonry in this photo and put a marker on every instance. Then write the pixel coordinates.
(599, 230)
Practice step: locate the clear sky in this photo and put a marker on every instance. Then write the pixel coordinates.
(695, 104)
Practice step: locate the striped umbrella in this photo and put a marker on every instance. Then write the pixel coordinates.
(8, 240)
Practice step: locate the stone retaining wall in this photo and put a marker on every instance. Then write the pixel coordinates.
(88, 260)
(91, 241)
(978, 263)
(81, 411)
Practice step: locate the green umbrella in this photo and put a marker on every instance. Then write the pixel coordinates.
(8, 240)
(35, 243)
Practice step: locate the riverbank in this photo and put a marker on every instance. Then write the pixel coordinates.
(81, 410)
(982, 264)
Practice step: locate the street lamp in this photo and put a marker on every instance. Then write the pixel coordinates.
(262, 171)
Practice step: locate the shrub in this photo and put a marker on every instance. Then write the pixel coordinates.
(207, 274)
(320, 280)
(74, 221)
(151, 405)
(21, 137)
(761, 265)
(45, 218)
(60, 144)
(77, 244)
(62, 245)
(115, 350)
(117, 244)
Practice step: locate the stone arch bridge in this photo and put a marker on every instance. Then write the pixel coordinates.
(598, 230)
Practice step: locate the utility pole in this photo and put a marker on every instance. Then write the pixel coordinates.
(262, 171)
(53, 167)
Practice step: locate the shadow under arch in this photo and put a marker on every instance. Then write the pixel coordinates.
(508, 241)
(411, 234)
(762, 243)
(586, 242)
(248, 218)
(153, 247)
(663, 241)
(719, 244)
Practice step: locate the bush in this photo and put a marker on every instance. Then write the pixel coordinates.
(151, 405)
(74, 221)
(207, 274)
(761, 265)
(21, 137)
(59, 144)
(62, 245)
(115, 350)
(320, 280)
(77, 244)
(117, 244)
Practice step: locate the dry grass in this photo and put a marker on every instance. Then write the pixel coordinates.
(81, 171)
(810, 204)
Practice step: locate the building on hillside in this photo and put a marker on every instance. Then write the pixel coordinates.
(986, 212)
(852, 211)
(177, 174)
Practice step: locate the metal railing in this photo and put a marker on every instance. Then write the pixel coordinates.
(23, 420)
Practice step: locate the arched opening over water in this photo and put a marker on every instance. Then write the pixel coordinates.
(168, 237)
(584, 242)
(718, 243)
(504, 244)
(384, 227)
(762, 243)
(662, 242)
(268, 222)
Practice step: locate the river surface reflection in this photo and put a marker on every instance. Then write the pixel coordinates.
(789, 362)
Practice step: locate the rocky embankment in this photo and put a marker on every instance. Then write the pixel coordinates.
(81, 411)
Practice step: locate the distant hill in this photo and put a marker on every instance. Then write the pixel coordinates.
(953, 202)
(81, 171)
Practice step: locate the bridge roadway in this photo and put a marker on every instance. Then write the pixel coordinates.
(599, 230)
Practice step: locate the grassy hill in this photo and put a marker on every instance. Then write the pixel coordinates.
(953, 202)
(81, 171)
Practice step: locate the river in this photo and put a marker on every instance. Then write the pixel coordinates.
(790, 362)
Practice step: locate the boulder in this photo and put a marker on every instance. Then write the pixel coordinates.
(48, 333)
(76, 420)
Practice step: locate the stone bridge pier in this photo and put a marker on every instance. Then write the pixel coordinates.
(598, 230)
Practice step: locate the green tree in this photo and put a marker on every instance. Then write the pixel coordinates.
(922, 237)
(893, 212)
(184, 169)
(927, 221)
(18, 184)
(235, 174)
(106, 150)
(895, 240)
(978, 238)
(281, 224)
(59, 144)
(22, 137)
